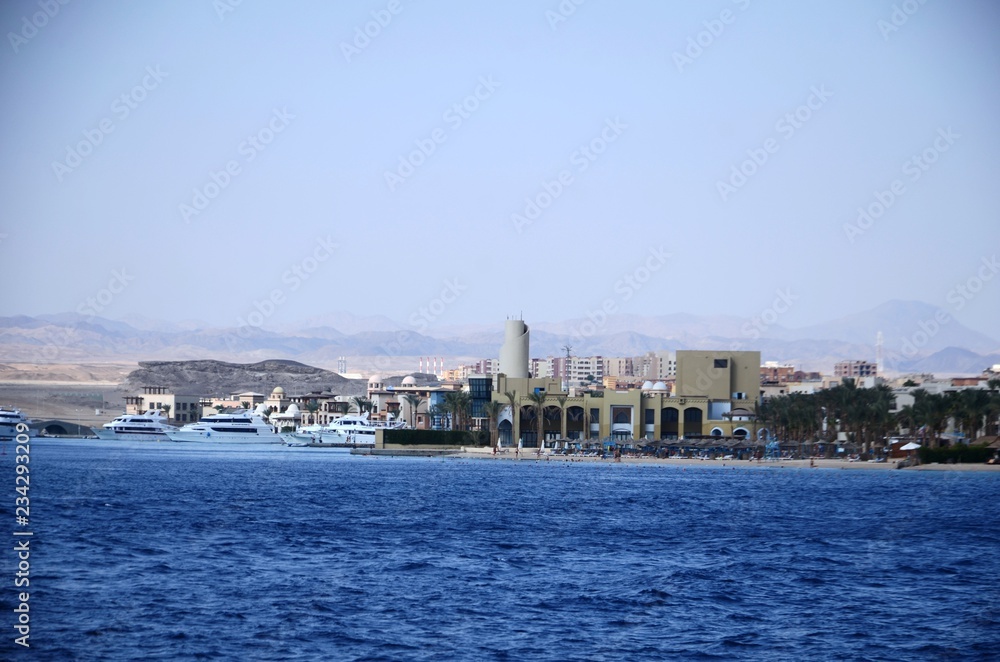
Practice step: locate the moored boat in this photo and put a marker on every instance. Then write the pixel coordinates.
(351, 431)
(151, 426)
(9, 420)
(241, 427)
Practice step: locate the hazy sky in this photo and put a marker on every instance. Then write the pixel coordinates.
(464, 161)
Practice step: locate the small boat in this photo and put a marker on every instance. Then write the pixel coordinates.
(240, 427)
(151, 426)
(9, 420)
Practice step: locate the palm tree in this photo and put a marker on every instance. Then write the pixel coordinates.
(969, 407)
(514, 414)
(312, 407)
(537, 399)
(932, 412)
(993, 410)
(245, 404)
(166, 411)
(437, 411)
(414, 401)
(362, 404)
(906, 418)
(218, 408)
(493, 409)
(459, 405)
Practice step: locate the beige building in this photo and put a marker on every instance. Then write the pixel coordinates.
(177, 407)
(716, 393)
(855, 369)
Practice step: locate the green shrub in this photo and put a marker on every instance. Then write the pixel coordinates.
(959, 453)
(436, 438)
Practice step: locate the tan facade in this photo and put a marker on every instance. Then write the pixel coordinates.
(178, 408)
(718, 375)
(721, 393)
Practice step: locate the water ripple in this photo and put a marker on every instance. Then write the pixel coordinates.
(264, 554)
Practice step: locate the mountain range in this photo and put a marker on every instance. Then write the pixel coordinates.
(917, 337)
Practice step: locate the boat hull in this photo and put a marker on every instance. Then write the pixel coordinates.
(351, 439)
(110, 435)
(223, 437)
(8, 432)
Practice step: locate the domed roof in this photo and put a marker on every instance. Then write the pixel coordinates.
(374, 379)
(647, 385)
(293, 410)
(659, 386)
(408, 381)
(278, 391)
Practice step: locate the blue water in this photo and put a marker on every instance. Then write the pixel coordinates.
(183, 551)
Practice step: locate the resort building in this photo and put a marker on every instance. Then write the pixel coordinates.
(855, 369)
(409, 402)
(179, 408)
(716, 395)
(773, 372)
(320, 408)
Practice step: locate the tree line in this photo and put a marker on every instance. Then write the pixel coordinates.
(867, 414)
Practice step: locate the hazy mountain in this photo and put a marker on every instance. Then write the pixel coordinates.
(915, 339)
(344, 322)
(951, 360)
(906, 326)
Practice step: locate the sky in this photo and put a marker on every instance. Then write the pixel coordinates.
(446, 163)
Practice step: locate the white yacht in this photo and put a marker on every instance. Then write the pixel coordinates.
(151, 426)
(9, 419)
(241, 427)
(351, 431)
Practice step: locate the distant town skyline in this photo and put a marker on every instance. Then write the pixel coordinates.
(451, 164)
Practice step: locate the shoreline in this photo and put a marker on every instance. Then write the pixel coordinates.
(487, 455)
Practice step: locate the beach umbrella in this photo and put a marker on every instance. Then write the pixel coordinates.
(912, 446)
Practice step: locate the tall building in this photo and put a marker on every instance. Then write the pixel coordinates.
(514, 352)
(855, 369)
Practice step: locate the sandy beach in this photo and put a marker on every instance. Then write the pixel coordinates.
(529, 456)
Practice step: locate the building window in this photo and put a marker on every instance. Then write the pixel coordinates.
(721, 363)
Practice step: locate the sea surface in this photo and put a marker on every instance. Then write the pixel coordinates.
(204, 552)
